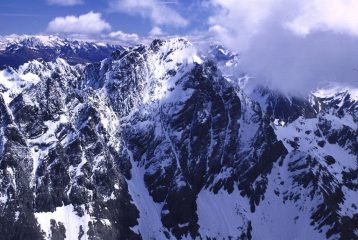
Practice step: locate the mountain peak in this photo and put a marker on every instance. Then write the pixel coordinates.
(154, 142)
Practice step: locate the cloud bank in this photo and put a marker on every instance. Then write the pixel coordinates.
(339, 16)
(292, 45)
(122, 37)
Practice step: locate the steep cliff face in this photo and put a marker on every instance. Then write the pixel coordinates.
(154, 143)
(72, 172)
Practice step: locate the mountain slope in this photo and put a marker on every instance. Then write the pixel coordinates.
(154, 143)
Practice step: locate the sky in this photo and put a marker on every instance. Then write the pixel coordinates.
(138, 16)
(301, 43)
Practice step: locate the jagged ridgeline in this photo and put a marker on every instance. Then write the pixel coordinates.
(158, 142)
(17, 50)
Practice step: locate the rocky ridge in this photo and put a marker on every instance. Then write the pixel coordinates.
(154, 142)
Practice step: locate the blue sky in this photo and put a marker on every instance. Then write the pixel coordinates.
(32, 17)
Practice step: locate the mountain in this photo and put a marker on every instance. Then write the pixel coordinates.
(154, 142)
(16, 50)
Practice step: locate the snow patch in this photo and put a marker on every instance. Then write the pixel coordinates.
(150, 225)
(68, 217)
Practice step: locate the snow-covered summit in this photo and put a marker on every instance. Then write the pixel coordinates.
(336, 91)
(338, 100)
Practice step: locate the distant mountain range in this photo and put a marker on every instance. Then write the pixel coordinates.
(17, 50)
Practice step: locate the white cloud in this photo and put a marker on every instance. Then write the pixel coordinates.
(65, 2)
(294, 45)
(90, 23)
(156, 31)
(339, 16)
(122, 37)
(158, 12)
(238, 21)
